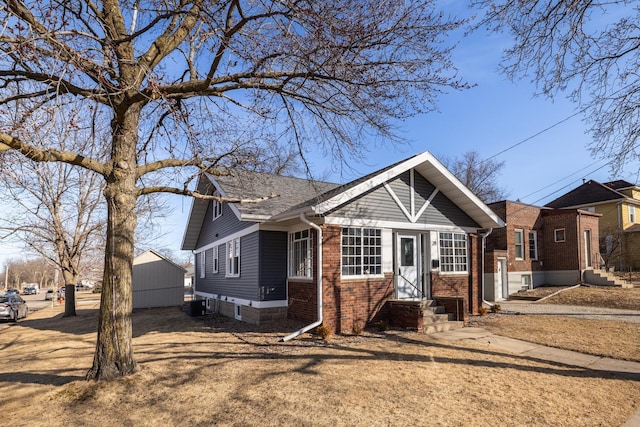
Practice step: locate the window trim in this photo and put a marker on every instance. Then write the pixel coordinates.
(307, 258)
(555, 235)
(454, 264)
(632, 214)
(516, 245)
(362, 255)
(534, 234)
(233, 258)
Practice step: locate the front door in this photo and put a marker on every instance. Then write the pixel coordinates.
(407, 256)
(502, 287)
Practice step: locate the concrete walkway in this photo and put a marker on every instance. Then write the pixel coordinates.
(594, 313)
(571, 358)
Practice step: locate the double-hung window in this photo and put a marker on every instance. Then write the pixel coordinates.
(519, 243)
(216, 207)
(300, 254)
(233, 258)
(632, 214)
(453, 252)
(203, 264)
(361, 251)
(533, 244)
(215, 259)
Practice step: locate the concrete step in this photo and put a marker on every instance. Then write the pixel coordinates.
(604, 278)
(437, 318)
(442, 326)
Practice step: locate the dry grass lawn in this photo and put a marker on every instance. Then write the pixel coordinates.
(212, 371)
(605, 338)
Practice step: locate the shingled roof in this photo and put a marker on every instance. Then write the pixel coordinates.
(590, 192)
(288, 192)
(295, 196)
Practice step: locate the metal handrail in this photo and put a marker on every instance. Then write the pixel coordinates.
(420, 293)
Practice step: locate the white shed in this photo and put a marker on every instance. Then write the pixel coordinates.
(157, 281)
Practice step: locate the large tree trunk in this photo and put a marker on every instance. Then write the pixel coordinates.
(113, 357)
(70, 281)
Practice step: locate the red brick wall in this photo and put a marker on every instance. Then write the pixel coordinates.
(570, 254)
(345, 302)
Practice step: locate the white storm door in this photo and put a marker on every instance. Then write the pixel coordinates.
(407, 283)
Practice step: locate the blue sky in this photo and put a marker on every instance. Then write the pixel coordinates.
(489, 118)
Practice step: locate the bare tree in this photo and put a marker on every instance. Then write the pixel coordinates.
(588, 50)
(480, 176)
(195, 85)
(58, 210)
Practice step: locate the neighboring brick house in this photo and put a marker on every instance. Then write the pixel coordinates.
(538, 246)
(619, 204)
(410, 231)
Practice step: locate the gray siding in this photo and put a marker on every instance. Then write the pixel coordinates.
(157, 282)
(246, 285)
(377, 204)
(263, 269)
(273, 265)
(223, 226)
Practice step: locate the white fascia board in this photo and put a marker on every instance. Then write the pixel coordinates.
(440, 180)
(233, 206)
(244, 232)
(396, 225)
(475, 201)
(373, 182)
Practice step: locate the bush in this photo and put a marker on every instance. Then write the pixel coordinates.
(495, 308)
(482, 311)
(382, 325)
(357, 329)
(324, 332)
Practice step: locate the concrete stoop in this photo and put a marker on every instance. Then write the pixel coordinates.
(604, 278)
(436, 319)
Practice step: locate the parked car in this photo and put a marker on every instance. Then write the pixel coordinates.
(29, 291)
(12, 307)
(48, 295)
(12, 291)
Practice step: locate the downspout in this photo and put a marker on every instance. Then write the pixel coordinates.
(484, 239)
(319, 283)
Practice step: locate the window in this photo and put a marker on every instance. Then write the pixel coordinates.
(453, 252)
(632, 214)
(558, 234)
(203, 266)
(300, 254)
(233, 258)
(519, 244)
(533, 244)
(216, 207)
(215, 259)
(361, 251)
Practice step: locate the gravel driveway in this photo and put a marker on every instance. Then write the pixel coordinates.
(594, 313)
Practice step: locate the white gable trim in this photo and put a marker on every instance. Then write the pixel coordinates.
(435, 172)
(412, 216)
(371, 183)
(233, 206)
